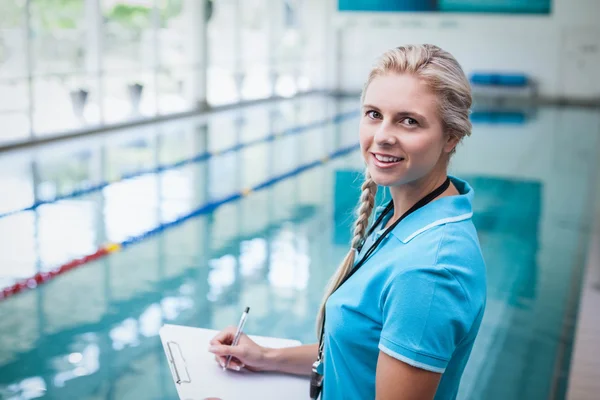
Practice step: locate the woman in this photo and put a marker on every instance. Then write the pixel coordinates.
(402, 311)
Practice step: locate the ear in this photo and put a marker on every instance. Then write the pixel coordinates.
(451, 142)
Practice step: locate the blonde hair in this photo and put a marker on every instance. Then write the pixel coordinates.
(444, 75)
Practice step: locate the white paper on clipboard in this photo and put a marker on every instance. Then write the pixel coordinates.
(197, 375)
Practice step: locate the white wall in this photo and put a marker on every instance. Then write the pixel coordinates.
(561, 50)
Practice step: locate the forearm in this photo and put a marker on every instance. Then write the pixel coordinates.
(293, 360)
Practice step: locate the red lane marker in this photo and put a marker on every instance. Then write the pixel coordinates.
(43, 277)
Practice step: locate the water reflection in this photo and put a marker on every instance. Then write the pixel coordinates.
(94, 324)
(222, 275)
(289, 261)
(130, 324)
(54, 233)
(28, 388)
(76, 365)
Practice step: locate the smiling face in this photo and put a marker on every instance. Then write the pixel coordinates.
(401, 133)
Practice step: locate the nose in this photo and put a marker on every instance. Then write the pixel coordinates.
(384, 135)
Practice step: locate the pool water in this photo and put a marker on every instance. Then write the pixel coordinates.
(92, 333)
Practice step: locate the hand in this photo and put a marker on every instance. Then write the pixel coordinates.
(246, 354)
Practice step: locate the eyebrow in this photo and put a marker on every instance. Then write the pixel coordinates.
(399, 113)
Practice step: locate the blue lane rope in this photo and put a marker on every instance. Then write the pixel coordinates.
(102, 251)
(213, 205)
(197, 158)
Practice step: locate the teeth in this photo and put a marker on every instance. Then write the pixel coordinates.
(387, 159)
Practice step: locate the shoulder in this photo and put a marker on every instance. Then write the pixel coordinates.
(434, 282)
(459, 254)
(447, 244)
(446, 259)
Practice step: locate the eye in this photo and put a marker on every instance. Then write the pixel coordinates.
(373, 114)
(409, 121)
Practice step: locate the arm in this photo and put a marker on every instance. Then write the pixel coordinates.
(399, 381)
(293, 360)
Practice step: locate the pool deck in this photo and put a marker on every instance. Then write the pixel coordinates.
(584, 376)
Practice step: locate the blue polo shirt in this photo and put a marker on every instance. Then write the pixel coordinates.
(419, 298)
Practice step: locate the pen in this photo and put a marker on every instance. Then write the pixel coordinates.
(238, 333)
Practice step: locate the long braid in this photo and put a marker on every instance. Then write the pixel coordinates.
(364, 211)
(367, 202)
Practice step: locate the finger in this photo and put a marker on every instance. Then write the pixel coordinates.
(235, 365)
(221, 360)
(224, 350)
(224, 337)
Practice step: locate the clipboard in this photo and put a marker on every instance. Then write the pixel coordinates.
(197, 375)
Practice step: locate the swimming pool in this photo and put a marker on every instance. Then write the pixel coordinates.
(91, 333)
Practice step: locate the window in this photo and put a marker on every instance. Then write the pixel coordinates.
(129, 59)
(254, 51)
(14, 101)
(65, 95)
(222, 60)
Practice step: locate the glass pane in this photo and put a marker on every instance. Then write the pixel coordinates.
(129, 96)
(14, 102)
(129, 59)
(64, 102)
(221, 58)
(289, 51)
(315, 52)
(65, 95)
(128, 35)
(174, 34)
(58, 36)
(14, 118)
(175, 90)
(254, 49)
(176, 44)
(12, 39)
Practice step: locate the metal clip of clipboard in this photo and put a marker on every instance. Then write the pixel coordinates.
(172, 359)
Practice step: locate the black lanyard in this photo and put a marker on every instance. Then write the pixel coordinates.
(421, 203)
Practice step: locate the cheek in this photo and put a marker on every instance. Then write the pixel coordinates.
(425, 149)
(365, 138)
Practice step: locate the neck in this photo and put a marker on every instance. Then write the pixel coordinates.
(407, 195)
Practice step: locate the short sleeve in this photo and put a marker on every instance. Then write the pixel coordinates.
(425, 316)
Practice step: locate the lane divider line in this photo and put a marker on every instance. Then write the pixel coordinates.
(197, 158)
(43, 277)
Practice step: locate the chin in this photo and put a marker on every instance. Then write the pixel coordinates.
(383, 179)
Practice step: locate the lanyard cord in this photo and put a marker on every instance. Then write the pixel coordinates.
(421, 203)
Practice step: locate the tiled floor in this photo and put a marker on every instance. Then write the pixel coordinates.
(584, 380)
